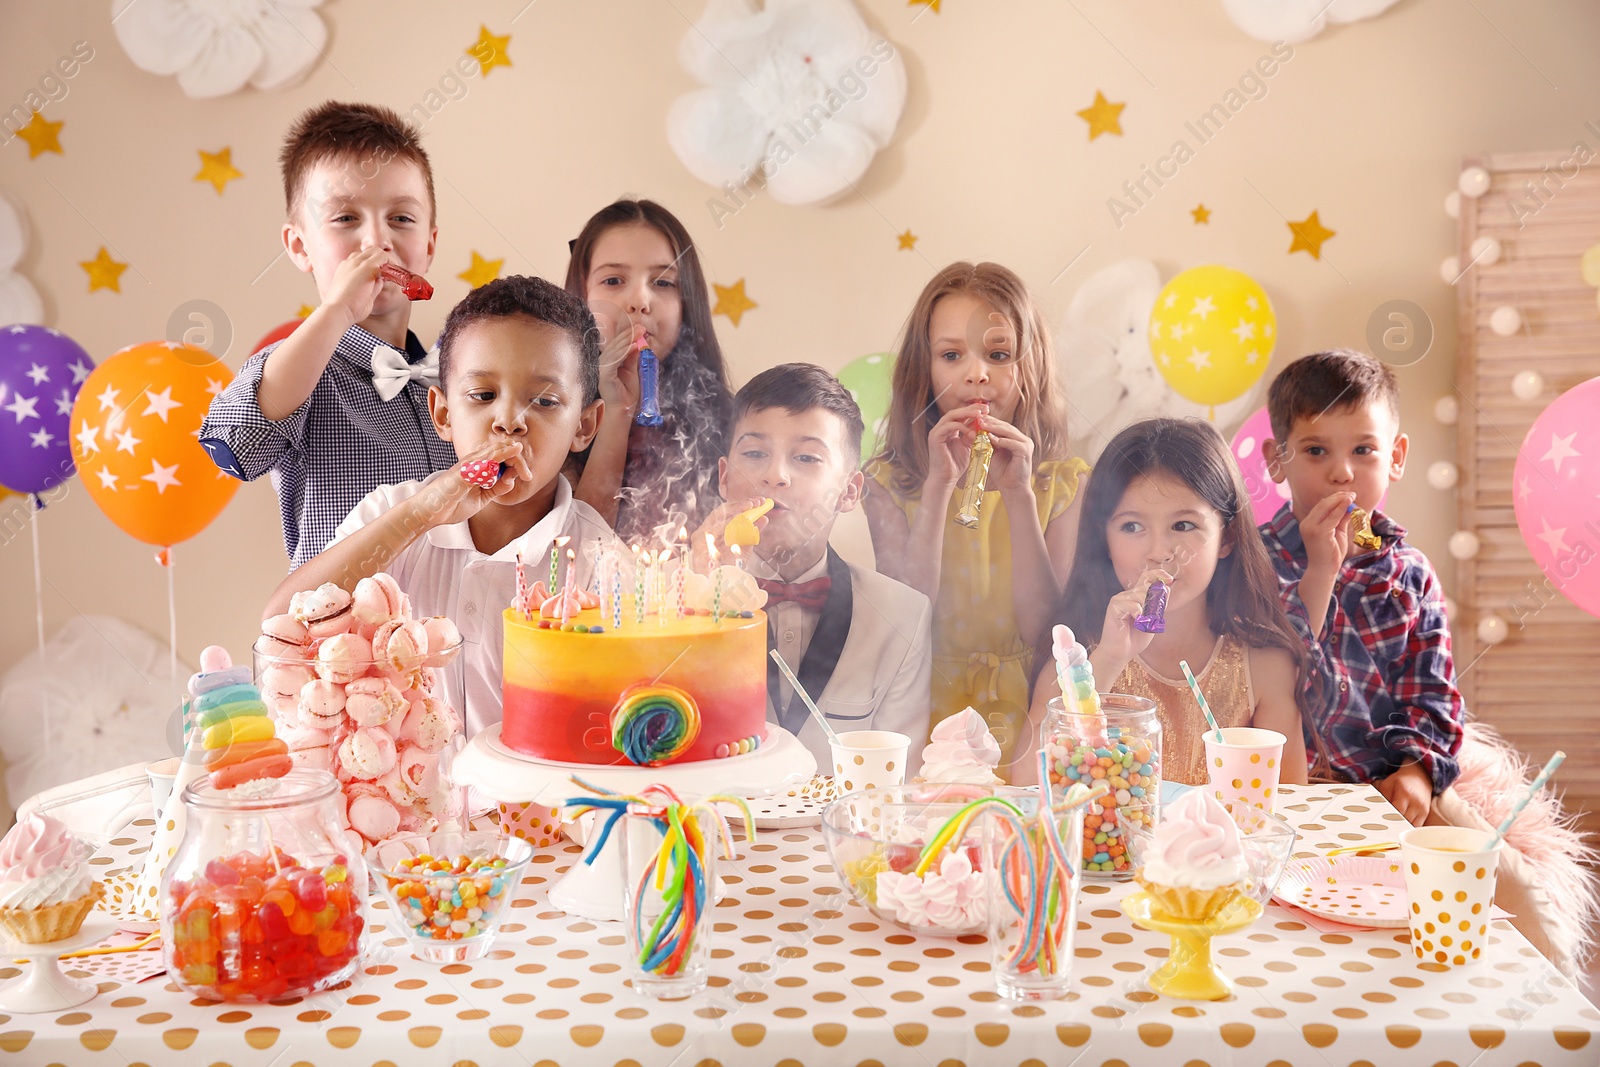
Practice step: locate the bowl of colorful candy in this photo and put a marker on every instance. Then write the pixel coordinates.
(448, 891)
(887, 851)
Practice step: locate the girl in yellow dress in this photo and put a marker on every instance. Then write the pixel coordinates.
(976, 356)
(1168, 504)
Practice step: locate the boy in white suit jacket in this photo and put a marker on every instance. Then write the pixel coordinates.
(860, 642)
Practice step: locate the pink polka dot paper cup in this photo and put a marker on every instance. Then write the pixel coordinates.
(1245, 765)
(537, 824)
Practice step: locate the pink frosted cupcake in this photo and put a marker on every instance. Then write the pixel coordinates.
(46, 887)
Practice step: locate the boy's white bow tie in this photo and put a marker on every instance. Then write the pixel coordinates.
(391, 372)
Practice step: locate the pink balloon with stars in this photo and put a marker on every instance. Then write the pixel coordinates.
(1556, 491)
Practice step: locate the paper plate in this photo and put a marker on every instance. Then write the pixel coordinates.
(1358, 890)
(800, 805)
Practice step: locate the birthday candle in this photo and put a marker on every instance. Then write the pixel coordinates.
(677, 581)
(638, 589)
(616, 590)
(660, 573)
(716, 572)
(555, 561)
(521, 602)
(566, 601)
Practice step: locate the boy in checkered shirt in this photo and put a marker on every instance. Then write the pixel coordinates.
(340, 406)
(1374, 618)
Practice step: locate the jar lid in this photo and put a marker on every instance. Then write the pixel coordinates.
(300, 787)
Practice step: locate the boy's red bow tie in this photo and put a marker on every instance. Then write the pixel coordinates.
(809, 595)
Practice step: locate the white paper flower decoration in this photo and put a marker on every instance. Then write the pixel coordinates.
(1107, 372)
(19, 300)
(216, 46)
(1298, 20)
(800, 93)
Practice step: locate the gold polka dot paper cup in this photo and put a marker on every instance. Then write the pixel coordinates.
(1449, 872)
(869, 759)
(1244, 766)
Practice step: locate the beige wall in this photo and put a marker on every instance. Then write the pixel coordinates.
(1367, 125)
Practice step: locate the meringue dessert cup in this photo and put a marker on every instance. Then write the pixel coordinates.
(47, 887)
(1196, 882)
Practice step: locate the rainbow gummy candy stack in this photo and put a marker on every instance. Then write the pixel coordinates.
(1084, 748)
(1074, 673)
(450, 899)
(241, 744)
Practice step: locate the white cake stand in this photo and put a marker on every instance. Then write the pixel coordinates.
(594, 891)
(46, 987)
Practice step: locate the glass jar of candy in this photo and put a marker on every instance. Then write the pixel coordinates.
(1121, 746)
(264, 897)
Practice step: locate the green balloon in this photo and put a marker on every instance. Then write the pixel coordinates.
(868, 380)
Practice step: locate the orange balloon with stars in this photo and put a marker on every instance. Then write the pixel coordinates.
(136, 440)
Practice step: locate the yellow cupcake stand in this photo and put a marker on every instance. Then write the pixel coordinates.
(1189, 973)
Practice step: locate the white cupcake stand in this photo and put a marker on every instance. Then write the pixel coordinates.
(594, 891)
(46, 987)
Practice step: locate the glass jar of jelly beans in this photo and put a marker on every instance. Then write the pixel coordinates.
(1121, 746)
(264, 897)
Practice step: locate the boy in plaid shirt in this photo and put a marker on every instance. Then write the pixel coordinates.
(1374, 619)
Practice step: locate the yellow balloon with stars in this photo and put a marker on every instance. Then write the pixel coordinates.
(1212, 333)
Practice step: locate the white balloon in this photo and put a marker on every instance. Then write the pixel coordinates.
(1505, 320)
(19, 301)
(13, 234)
(1492, 629)
(1464, 544)
(1443, 475)
(1452, 203)
(1447, 409)
(1450, 269)
(1527, 385)
(1473, 182)
(1486, 251)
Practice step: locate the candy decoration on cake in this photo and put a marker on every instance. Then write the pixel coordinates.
(678, 871)
(654, 724)
(349, 679)
(415, 286)
(977, 478)
(742, 529)
(1361, 530)
(1152, 619)
(483, 473)
(649, 378)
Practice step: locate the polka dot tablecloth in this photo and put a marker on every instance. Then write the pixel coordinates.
(802, 976)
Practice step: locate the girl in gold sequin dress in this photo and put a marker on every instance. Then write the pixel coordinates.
(1167, 503)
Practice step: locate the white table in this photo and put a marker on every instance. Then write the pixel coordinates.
(802, 977)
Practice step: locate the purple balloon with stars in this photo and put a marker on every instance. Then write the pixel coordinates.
(40, 372)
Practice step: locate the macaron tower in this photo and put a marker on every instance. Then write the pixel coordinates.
(350, 678)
